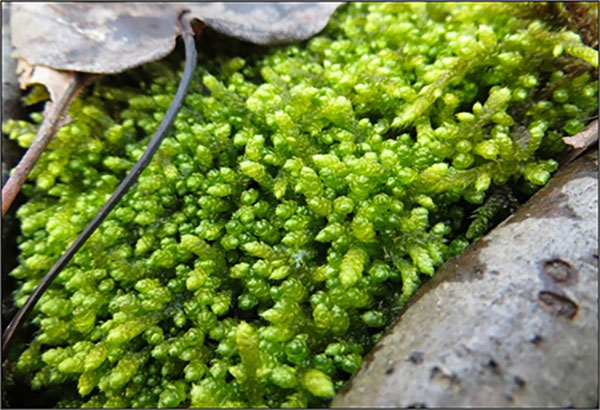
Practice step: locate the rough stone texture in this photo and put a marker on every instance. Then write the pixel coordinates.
(11, 106)
(512, 322)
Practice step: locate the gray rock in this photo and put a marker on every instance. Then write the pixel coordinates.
(512, 322)
(11, 104)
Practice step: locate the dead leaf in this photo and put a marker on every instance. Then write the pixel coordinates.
(580, 143)
(585, 138)
(265, 23)
(108, 38)
(58, 83)
(55, 81)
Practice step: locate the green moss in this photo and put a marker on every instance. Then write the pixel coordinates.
(303, 195)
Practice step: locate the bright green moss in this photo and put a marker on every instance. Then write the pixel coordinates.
(303, 195)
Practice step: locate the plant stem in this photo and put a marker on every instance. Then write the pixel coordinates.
(52, 121)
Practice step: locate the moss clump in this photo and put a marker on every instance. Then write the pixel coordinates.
(298, 201)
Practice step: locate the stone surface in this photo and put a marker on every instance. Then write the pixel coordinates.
(512, 322)
(11, 105)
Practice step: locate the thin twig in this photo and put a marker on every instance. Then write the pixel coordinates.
(51, 123)
(190, 65)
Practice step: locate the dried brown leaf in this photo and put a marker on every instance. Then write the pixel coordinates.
(108, 38)
(585, 138)
(55, 81)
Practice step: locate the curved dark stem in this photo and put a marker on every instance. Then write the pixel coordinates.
(190, 65)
